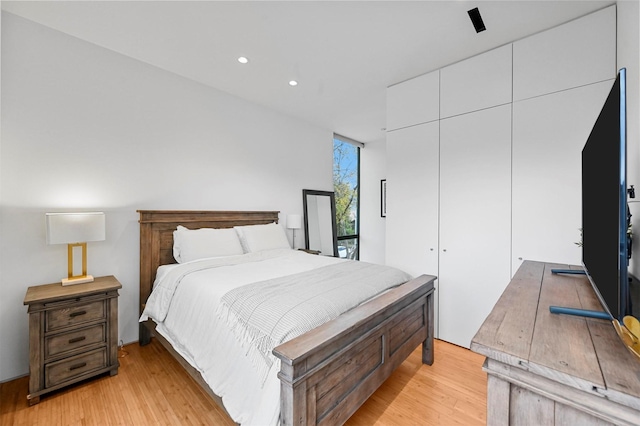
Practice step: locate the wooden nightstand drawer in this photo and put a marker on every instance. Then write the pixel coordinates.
(73, 340)
(73, 315)
(70, 368)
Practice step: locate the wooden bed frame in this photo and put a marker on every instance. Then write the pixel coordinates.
(327, 373)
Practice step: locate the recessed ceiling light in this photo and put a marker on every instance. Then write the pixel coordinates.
(293, 83)
(243, 60)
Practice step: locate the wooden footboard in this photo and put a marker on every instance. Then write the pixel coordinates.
(329, 372)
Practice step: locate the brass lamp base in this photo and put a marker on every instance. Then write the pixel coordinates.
(81, 279)
(77, 279)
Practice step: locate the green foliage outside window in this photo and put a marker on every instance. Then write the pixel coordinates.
(345, 181)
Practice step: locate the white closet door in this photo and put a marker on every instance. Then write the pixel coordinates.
(475, 218)
(549, 133)
(412, 201)
(579, 52)
(482, 81)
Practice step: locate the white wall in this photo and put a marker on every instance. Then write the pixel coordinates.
(372, 226)
(88, 129)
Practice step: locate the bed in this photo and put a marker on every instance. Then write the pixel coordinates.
(323, 375)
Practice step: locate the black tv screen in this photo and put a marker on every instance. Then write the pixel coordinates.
(605, 247)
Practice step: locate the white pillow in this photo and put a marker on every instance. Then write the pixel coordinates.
(193, 244)
(262, 237)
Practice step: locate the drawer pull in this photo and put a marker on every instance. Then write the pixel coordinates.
(77, 339)
(77, 314)
(76, 366)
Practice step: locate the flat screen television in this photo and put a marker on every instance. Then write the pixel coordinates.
(605, 213)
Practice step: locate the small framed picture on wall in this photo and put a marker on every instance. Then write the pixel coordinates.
(383, 198)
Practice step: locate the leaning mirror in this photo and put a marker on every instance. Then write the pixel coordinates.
(320, 221)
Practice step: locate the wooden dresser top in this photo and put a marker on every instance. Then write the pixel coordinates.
(56, 291)
(584, 353)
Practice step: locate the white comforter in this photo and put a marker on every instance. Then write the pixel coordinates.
(185, 303)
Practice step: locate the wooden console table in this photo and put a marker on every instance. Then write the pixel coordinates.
(550, 369)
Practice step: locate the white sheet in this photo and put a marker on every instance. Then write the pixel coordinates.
(190, 322)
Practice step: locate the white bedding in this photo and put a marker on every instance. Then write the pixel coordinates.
(185, 303)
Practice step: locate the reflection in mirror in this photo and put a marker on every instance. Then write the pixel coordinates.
(320, 221)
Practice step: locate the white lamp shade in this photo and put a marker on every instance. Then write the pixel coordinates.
(293, 221)
(70, 228)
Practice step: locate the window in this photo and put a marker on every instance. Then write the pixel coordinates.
(346, 185)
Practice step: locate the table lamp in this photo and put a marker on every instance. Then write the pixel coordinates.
(75, 229)
(293, 223)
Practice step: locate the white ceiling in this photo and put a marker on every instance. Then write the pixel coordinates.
(343, 53)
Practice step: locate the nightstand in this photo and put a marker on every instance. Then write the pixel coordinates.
(73, 333)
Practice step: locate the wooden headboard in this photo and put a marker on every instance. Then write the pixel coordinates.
(156, 235)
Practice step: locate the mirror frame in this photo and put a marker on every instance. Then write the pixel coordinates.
(332, 201)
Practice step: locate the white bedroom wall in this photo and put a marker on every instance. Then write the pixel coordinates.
(84, 128)
(373, 163)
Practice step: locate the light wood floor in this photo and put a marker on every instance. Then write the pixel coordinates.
(151, 388)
